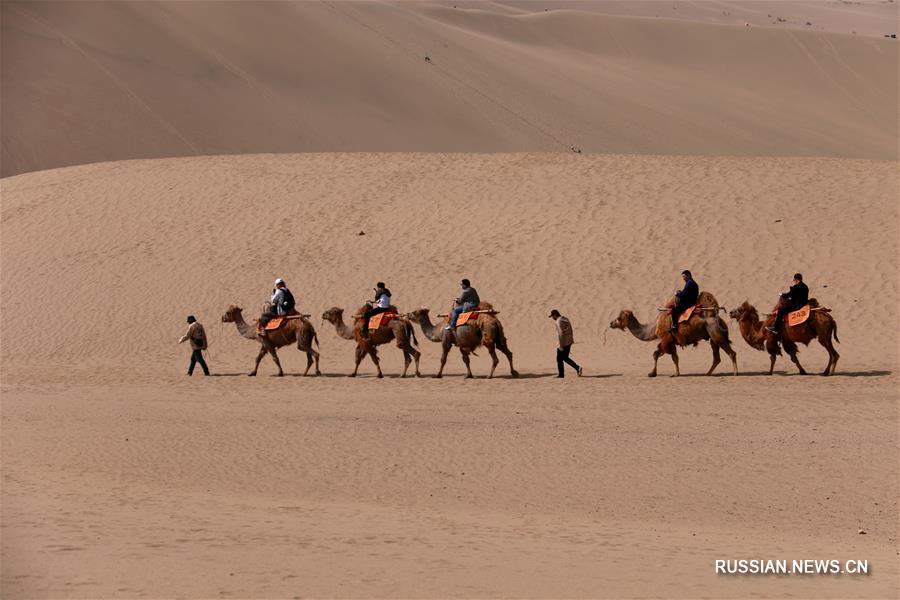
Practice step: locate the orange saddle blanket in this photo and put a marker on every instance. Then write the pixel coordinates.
(694, 310)
(466, 317)
(273, 324)
(797, 317)
(381, 320)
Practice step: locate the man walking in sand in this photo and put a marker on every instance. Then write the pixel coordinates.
(197, 335)
(566, 339)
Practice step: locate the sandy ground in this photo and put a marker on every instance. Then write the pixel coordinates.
(121, 477)
(84, 82)
(745, 153)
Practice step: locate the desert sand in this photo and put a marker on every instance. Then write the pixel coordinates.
(747, 155)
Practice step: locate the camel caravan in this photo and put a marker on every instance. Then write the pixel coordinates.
(685, 319)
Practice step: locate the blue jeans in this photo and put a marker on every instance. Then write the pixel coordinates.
(454, 314)
(197, 357)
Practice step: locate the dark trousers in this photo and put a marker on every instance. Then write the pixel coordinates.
(783, 309)
(677, 310)
(371, 313)
(368, 315)
(197, 357)
(562, 356)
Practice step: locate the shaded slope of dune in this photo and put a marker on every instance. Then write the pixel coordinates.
(86, 82)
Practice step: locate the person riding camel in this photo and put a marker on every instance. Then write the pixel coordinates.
(381, 304)
(468, 300)
(685, 298)
(281, 304)
(794, 299)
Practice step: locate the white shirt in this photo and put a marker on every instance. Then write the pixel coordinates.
(384, 301)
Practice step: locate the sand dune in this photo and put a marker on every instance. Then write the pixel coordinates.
(86, 82)
(138, 245)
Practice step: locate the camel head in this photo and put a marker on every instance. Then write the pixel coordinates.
(621, 322)
(333, 315)
(418, 315)
(744, 311)
(231, 314)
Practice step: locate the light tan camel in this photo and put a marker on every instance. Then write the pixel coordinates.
(485, 331)
(298, 330)
(398, 328)
(820, 325)
(705, 326)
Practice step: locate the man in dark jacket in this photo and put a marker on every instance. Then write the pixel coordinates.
(684, 299)
(794, 299)
(468, 300)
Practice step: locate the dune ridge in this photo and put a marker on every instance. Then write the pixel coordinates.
(97, 81)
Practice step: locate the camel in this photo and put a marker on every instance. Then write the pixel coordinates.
(298, 330)
(705, 326)
(819, 325)
(485, 331)
(399, 328)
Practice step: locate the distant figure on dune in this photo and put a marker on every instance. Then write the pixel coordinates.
(468, 300)
(684, 299)
(197, 335)
(566, 339)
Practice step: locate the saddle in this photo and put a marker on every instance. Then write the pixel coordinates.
(381, 320)
(275, 323)
(694, 310)
(470, 315)
(796, 317)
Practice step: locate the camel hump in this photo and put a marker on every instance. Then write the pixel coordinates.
(704, 299)
(485, 306)
(365, 307)
(708, 300)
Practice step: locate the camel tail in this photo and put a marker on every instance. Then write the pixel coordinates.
(834, 332)
(501, 337)
(316, 338)
(411, 331)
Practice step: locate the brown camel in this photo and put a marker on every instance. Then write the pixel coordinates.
(398, 328)
(705, 326)
(485, 331)
(298, 330)
(819, 325)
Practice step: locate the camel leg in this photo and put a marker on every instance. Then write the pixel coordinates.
(409, 353)
(509, 355)
(494, 360)
(791, 348)
(259, 357)
(833, 356)
(416, 355)
(656, 354)
(772, 348)
(406, 361)
(465, 357)
(716, 357)
(277, 362)
(445, 350)
(360, 353)
(373, 352)
(731, 354)
(675, 360)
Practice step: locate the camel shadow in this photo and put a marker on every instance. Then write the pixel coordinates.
(792, 374)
